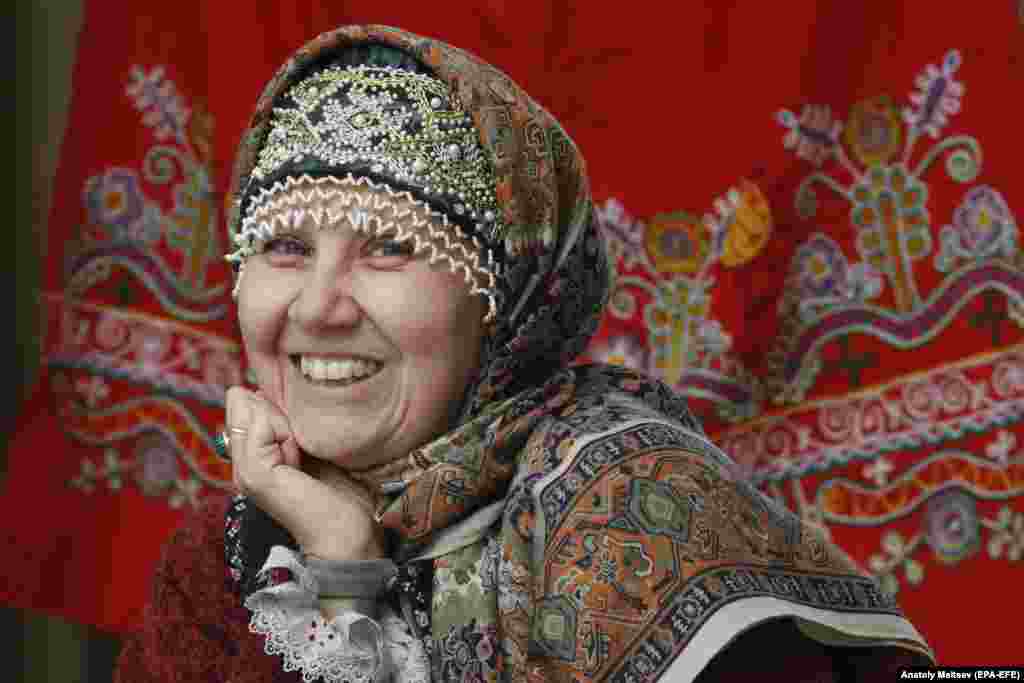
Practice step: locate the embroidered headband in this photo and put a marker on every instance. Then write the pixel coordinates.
(371, 209)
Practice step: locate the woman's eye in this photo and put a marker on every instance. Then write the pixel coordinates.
(286, 246)
(390, 248)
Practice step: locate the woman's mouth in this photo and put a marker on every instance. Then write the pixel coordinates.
(334, 372)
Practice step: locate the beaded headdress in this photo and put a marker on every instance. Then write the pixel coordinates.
(345, 130)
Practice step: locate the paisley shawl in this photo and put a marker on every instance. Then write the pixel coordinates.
(579, 524)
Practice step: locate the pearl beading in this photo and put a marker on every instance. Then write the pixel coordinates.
(369, 208)
(401, 125)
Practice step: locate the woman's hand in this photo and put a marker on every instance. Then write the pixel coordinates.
(329, 514)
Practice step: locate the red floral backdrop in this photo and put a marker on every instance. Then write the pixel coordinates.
(812, 209)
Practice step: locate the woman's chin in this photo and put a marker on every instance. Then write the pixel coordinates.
(358, 453)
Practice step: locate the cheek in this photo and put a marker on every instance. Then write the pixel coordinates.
(255, 317)
(436, 318)
(263, 301)
(261, 314)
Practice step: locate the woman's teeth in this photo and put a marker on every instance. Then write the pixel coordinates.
(336, 371)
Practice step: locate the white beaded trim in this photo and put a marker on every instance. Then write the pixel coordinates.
(330, 200)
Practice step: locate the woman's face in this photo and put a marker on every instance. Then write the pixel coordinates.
(404, 336)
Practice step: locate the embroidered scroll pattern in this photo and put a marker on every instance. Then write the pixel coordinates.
(136, 366)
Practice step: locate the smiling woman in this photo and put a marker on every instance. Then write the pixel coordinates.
(352, 323)
(429, 489)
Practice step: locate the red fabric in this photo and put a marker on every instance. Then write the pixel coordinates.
(89, 556)
(195, 627)
(671, 106)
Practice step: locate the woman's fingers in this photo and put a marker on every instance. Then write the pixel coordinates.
(267, 442)
(321, 507)
(237, 417)
(289, 446)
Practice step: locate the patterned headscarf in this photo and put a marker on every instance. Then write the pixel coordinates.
(552, 274)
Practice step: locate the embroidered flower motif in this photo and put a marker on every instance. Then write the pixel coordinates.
(623, 235)
(1007, 534)
(813, 135)
(156, 464)
(186, 491)
(744, 224)
(863, 283)
(893, 226)
(823, 277)
(678, 242)
(114, 200)
(673, 318)
(937, 98)
(819, 267)
(896, 554)
(189, 353)
(713, 338)
(983, 227)
(94, 390)
(879, 471)
(151, 347)
(625, 351)
(87, 475)
(952, 527)
(999, 450)
(200, 132)
(149, 228)
(112, 469)
(167, 115)
(874, 131)
(193, 225)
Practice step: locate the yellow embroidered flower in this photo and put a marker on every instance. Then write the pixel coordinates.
(747, 224)
(874, 131)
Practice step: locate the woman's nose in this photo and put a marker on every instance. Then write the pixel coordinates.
(325, 301)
